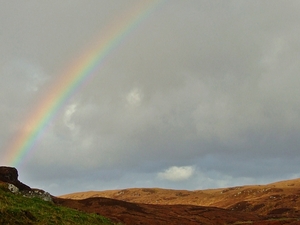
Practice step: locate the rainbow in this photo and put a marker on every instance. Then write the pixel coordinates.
(73, 79)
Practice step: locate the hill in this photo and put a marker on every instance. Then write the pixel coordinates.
(272, 204)
(21, 204)
(137, 213)
(276, 203)
(16, 209)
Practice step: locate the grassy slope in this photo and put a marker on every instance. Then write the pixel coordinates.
(15, 209)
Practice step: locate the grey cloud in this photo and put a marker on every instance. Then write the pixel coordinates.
(212, 85)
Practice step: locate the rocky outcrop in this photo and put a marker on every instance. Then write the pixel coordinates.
(37, 193)
(10, 175)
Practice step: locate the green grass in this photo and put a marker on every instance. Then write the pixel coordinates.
(18, 210)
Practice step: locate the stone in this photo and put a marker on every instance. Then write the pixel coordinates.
(13, 188)
(37, 193)
(10, 175)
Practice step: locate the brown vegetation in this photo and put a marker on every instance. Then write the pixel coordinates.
(274, 204)
(137, 213)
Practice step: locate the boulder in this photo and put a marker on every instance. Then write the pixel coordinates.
(37, 193)
(13, 188)
(10, 175)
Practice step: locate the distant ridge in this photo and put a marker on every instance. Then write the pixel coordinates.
(272, 200)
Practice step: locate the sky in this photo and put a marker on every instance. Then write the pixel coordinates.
(200, 94)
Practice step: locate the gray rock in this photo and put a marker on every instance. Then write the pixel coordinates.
(13, 188)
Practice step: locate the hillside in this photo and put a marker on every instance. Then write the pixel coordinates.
(272, 202)
(16, 209)
(137, 213)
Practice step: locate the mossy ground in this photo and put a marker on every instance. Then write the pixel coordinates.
(18, 210)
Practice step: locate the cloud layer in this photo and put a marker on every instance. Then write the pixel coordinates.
(202, 93)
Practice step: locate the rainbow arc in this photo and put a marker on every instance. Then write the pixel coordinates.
(80, 72)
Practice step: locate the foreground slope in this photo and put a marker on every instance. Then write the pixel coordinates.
(16, 209)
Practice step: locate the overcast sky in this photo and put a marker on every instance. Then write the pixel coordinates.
(202, 94)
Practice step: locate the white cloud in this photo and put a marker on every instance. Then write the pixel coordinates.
(134, 97)
(176, 173)
(71, 109)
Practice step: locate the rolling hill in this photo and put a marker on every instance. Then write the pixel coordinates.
(275, 203)
(272, 204)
